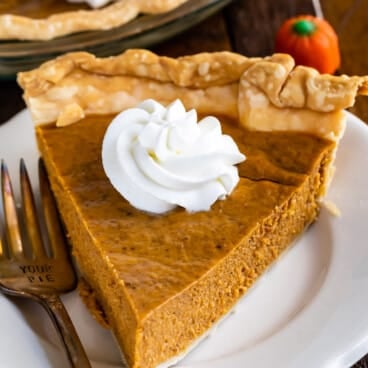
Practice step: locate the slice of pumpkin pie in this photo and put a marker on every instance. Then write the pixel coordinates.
(171, 221)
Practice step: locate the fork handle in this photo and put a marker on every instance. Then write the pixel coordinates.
(55, 308)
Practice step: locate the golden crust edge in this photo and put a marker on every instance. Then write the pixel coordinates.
(270, 86)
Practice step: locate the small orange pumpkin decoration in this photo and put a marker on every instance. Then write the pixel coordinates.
(311, 41)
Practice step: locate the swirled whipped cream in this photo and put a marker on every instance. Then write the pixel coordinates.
(92, 3)
(160, 157)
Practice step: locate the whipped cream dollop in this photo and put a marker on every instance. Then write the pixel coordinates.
(92, 3)
(159, 158)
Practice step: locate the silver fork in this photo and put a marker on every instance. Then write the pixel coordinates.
(33, 268)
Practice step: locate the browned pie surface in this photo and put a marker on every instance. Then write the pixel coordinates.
(38, 8)
(191, 258)
(175, 249)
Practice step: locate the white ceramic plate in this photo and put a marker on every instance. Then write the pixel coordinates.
(309, 310)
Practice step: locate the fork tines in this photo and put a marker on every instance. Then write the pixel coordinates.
(16, 240)
(12, 232)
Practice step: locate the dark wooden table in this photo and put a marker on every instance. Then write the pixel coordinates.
(248, 27)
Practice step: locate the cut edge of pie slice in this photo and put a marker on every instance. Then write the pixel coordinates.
(77, 91)
(120, 12)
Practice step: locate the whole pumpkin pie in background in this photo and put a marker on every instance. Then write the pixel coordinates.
(49, 19)
(164, 280)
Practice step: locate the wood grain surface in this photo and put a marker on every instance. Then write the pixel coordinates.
(350, 20)
(249, 27)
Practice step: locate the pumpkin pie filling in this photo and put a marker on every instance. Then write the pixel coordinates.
(170, 277)
(164, 280)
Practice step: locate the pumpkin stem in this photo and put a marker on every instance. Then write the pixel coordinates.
(304, 27)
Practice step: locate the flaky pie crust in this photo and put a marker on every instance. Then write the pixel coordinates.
(261, 93)
(108, 17)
